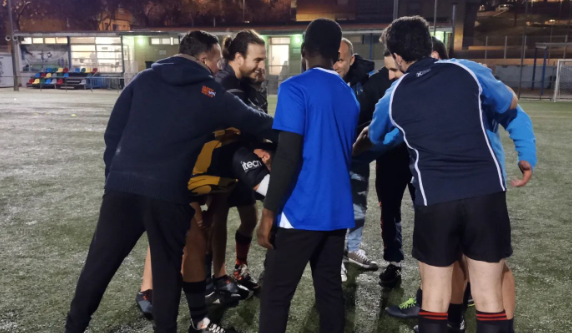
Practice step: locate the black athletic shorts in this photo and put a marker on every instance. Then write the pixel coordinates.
(477, 227)
(250, 171)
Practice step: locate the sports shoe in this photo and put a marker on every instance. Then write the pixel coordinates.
(211, 328)
(390, 277)
(144, 301)
(242, 277)
(406, 310)
(360, 259)
(454, 328)
(344, 273)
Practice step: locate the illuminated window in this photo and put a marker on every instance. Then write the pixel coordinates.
(83, 40)
(280, 40)
(62, 40)
(50, 40)
(108, 40)
(38, 40)
(26, 40)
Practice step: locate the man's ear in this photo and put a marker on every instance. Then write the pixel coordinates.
(303, 47)
(239, 58)
(353, 60)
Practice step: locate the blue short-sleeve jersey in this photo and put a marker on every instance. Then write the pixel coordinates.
(320, 106)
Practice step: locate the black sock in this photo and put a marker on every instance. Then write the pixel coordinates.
(195, 294)
(455, 313)
(492, 322)
(432, 322)
(224, 277)
(467, 295)
(242, 248)
(419, 297)
(208, 265)
(511, 325)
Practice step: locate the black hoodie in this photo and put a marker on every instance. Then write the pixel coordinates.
(160, 123)
(359, 73)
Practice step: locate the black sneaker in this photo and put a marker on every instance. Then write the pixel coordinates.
(406, 310)
(390, 277)
(243, 278)
(226, 292)
(211, 328)
(144, 301)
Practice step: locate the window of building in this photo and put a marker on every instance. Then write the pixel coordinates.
(26, 41)
(82, 40)
(38, 40)
(103, 53)
(62, 40)
(164, 40)
(108, 40)
(279, 55)
(50, 40)
(279, 40)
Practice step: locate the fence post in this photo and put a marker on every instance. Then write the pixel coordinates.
(486, 46)
(505, 45)
(543, 72)
(565, 47)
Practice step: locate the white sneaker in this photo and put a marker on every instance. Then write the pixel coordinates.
(344, 273)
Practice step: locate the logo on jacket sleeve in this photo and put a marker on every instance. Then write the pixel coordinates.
(208, 91)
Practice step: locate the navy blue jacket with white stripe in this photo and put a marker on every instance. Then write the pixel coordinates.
(438, 108)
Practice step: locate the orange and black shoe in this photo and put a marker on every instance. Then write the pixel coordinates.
(144, 301)
(242, 277)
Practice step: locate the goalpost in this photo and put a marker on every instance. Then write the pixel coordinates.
(563, 85)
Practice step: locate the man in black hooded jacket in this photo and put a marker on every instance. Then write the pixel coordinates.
(155, 133)
(369, 86)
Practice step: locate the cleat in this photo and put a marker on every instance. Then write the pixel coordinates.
(144, 301)
(243, 278)
(390, 277)
(406, 310)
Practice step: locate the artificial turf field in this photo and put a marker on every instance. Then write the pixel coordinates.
(51, 183)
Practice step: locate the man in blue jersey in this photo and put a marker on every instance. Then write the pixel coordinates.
(310, 193)
(460, 203)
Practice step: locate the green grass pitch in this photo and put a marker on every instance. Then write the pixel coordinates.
(51, 182)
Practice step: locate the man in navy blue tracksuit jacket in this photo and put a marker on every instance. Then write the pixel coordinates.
(155, 133)
(460, 204)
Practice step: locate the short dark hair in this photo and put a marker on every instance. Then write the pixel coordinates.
(197, 42)
(239, 44)
(440, 48)
(323, 37)
(386, 53)
(268, 147)
(408, 37)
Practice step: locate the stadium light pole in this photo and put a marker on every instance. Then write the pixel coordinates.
(243, 11)
(395, 9)
(435, 19)
(14, 45)
(523, 47)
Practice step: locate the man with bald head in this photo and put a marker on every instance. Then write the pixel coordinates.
(369, 86)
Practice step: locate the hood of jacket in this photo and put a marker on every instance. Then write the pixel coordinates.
(359, 72)
(181, 70)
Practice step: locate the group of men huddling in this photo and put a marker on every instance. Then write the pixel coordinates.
(190, 138)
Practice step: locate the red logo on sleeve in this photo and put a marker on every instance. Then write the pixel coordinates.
(208, 91)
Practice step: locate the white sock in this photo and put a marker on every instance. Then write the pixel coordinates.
(203, 323)
(394, 263)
